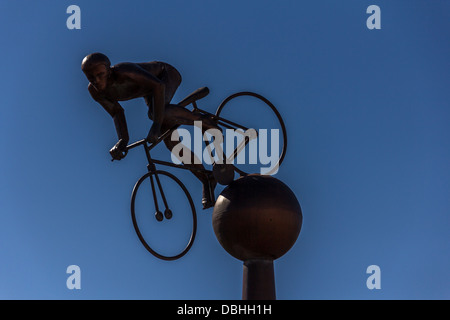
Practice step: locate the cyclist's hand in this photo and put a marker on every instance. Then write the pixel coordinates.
(118, 151)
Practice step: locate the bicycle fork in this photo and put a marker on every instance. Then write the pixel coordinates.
(152, 169)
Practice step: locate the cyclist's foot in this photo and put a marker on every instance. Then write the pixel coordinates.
(208, 198)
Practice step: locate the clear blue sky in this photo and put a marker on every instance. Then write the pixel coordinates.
(367, 113)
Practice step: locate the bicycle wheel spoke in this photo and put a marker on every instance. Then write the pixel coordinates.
(158, 214)
(161, 191)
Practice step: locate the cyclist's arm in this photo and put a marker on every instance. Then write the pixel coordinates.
(148, 81)
(116, 112)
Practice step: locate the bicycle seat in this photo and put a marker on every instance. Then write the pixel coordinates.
(194, 96)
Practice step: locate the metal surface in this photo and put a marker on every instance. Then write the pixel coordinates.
(257, 217)
(258, 281)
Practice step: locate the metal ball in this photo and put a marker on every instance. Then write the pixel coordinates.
(257, 217)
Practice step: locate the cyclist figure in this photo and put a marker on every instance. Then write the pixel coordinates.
(156, 82)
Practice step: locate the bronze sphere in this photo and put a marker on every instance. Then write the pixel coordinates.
(257, 217)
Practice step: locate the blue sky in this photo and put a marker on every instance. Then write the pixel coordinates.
(367, 113)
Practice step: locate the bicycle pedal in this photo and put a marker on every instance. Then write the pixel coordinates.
(168, 214)
(159, 216)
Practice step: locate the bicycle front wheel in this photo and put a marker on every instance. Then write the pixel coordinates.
(248, 115)
(163, 215)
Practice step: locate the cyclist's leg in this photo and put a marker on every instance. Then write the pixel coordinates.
(207, 180)
(172, 80)
(176, 115)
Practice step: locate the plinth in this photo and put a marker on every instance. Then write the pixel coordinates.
(257, 219)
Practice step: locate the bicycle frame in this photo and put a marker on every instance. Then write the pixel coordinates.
(151, 161)
(220, 121)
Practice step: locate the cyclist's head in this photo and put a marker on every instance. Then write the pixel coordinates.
(93, 60)
(96, 67)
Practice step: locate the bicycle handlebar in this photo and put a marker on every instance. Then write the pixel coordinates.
(135, 144)
(144, 141)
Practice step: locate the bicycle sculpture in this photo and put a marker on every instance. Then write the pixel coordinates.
(221, 172)
(155, 202)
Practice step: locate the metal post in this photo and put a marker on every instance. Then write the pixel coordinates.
(259, 280)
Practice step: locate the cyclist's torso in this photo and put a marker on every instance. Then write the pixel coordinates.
(125, 86)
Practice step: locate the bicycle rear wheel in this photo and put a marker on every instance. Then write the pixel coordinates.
(247, 110)
(163, 215)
